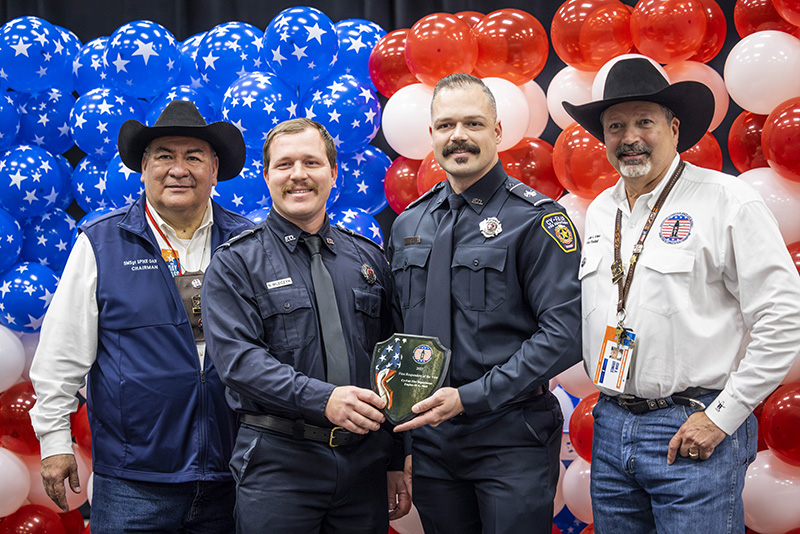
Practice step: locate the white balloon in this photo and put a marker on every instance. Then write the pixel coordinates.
(599, 84)
(409, 523)
(37, 494)
(513, 111)
(568, 85)
(576, 381)
(782, 198)
(558, 502)
(700, 72)
(537, 103)
(90, 488)
(15, 482)
(30, 342)
(763, 70)
(576, 210)
(406, 120)
(12, 358)
(794, 372)
(566, 405)
(771, 494)
(576, 490)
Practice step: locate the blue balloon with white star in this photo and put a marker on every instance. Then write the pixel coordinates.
(246, 192)
(181, 92)
(10, 240)
(45, 121)
(64, 199)
(89, 184)
(88, 69)
(188, 59)
(29, 181)
(357, 38)
(363, 175)
(25, 294)
(227, 52)
(9, 121)
(300, 46)
(90, 216)
(142, 58)
(255, 103)
(96, 118)
(46, 239)
(28, 58)
(358, 221)
(68, 44)
(123, 185)
(258, 215)
(347, 107)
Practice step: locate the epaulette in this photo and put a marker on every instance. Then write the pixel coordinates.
(427, 194)
(526, 193)
(239, 237)
(350, 232)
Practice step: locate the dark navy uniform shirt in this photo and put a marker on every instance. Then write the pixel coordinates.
(261, 324)
(516, 319)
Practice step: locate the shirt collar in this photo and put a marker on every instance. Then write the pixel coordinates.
(205, 223)
(290, 234)
(478, 194)
(621, 197)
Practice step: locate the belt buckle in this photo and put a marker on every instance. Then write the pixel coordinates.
(330, 440)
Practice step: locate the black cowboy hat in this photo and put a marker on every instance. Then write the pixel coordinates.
(637, 79)
(182, 118)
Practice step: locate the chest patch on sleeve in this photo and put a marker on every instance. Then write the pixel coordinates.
(676, 228)
(559, 227)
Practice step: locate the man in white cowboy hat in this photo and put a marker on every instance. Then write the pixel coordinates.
(685, 274)
(127, 313)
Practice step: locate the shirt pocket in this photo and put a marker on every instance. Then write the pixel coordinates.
(589, 276)
(368, 317)
(410, 276)
(288, 317)
(476, 268)
(665, 289)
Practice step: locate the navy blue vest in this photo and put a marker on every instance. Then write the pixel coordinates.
(155, 415)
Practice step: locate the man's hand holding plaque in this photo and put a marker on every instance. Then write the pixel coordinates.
(406, 370)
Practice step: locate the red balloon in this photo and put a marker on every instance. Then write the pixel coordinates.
(789, 10)
(668, 30)
(72, 522)
(781, 420)
(429, 174)
(387, 64)
(588, 33)
(16, 431)
(555, 530)
(716, 31)
(581, 426)
(588, 530)
(794, 250)
(401, 183)
(750, 16)
(744, 141)
(470, 17)
(512, 45)
(88, 529)
(581, 164)
(33, 519)
(780, 139)
(81, 431)
(438, 45)
(762, 443)
(706, 153)
(531, 162)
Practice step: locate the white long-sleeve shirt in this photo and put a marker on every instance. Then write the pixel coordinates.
(717, 305)
(68, 340)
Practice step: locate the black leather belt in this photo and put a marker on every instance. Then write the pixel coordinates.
(298, 429)
(688, 397)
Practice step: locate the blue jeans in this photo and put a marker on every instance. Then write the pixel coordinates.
(634, 490)
(121, 506)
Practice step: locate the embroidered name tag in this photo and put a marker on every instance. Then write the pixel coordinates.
(279, 283)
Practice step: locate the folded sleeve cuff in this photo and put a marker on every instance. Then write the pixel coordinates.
(727, 413)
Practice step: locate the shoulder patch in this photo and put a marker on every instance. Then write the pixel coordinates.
(239, 237)
(435, 189)
(559, 227)
(527, 193)
(352, 233)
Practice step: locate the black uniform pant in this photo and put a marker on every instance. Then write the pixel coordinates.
(293, 486)
(491, 474)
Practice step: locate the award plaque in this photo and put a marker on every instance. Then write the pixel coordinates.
(405, 370)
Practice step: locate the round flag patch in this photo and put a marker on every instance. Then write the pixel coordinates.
(676, 228)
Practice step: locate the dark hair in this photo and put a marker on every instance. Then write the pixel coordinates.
(460, 80)
(294, 126)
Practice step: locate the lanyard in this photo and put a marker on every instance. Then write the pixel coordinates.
(617, 271)
(158, 229)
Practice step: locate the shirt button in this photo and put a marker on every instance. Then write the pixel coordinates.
(405, 262)
(475, 263)
(287, 305)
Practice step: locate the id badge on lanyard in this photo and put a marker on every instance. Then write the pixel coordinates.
(616, 355)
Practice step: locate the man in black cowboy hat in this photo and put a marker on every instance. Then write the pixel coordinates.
(685, 274)
(127, 313)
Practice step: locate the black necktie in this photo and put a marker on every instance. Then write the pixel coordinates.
(437, 317)
(328, 311)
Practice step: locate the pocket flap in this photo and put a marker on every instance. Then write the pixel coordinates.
(367, 302)
(667, 262)
(283, 300)
(416, 256)
(480, 257)
(589, 264)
